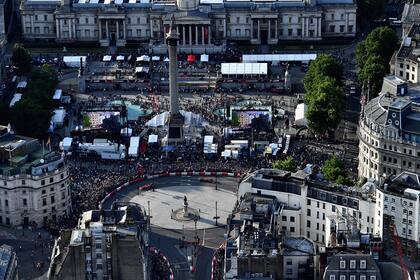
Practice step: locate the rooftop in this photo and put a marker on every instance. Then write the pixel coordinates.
(6, 255)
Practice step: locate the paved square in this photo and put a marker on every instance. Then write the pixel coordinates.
(201, 197)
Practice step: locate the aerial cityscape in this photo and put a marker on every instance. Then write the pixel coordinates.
(209, 139)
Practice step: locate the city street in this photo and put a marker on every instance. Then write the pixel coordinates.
(168, 239)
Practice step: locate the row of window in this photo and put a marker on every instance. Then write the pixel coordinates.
(352, 277)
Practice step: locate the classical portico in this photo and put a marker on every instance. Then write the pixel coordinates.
(112, 30)
(194, 31)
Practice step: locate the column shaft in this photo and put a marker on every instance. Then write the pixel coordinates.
(100, 29)
(107, 29)
(209, 31)
(190, 34)
(124, 29)
(202, 35)
(183, 35)
(196, 34)
(118, 29)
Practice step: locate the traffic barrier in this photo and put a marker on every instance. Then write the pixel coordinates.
(166, 174)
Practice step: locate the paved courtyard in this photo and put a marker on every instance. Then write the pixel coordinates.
(201, 196)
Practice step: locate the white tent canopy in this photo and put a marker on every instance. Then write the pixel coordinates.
(142, 69)
(208, 139)
(134, 146)
(204, 58)
(22, 84)
(244, 69)
(74, 61)
(153, 138)
(189, 119)
(144, 58)
(120, 58)
(57, 94)
(300, 119)
(107, 58)
(166, 59)
(278, 57)
(155, 58)
(16, 98)
(58, 117)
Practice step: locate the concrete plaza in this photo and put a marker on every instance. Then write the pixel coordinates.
(201, 197)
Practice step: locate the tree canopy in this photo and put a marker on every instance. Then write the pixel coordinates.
(325, 105)
(287, 164)
(371, 9)
(31, 115)
(22, 60)
(323, 65)
(333, 168)
(373, 55)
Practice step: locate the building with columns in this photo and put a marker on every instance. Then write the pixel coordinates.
(202, 24)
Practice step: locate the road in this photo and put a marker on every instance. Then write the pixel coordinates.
(168, 240)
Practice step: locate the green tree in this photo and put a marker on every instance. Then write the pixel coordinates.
(31, 115)
(22, 60)
(323, 65)
(325, 105)
(371, 9)
(333, 168)
(287, 164)
(372, 74)
(382, 42)
(4, 114)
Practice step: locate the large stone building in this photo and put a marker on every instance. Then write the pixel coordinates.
(34, 185)
(8, 263)
(398, 204)
(389, 131)
(107, 244)
(325, 213)
(204, 25)
(405, 62)
(334, 216)
(257, 247)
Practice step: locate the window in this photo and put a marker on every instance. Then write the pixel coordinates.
(46, 30)
(284, 218)
(372, 277)
(87, 20)
(292, 229)
(25, 202)
(290, 31)
(299, 32)
(36, 17)
(308, 224)
(362, 264)
(23, 181)
(289, 262)
(352, 264)
(46, 18)
(52, 189)
(292, 219)
(52, 199)
(44, 201)
(308, 202)
(333, 208)
(332, 28)
(308, 212)
(362, 277)
(51, 179)
(342, 277)
(342, 264)
(43, 192)
(352, 277)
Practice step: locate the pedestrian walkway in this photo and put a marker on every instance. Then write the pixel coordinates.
(201, 198)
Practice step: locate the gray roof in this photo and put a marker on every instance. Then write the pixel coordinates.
(411, 13)
(6, 253)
